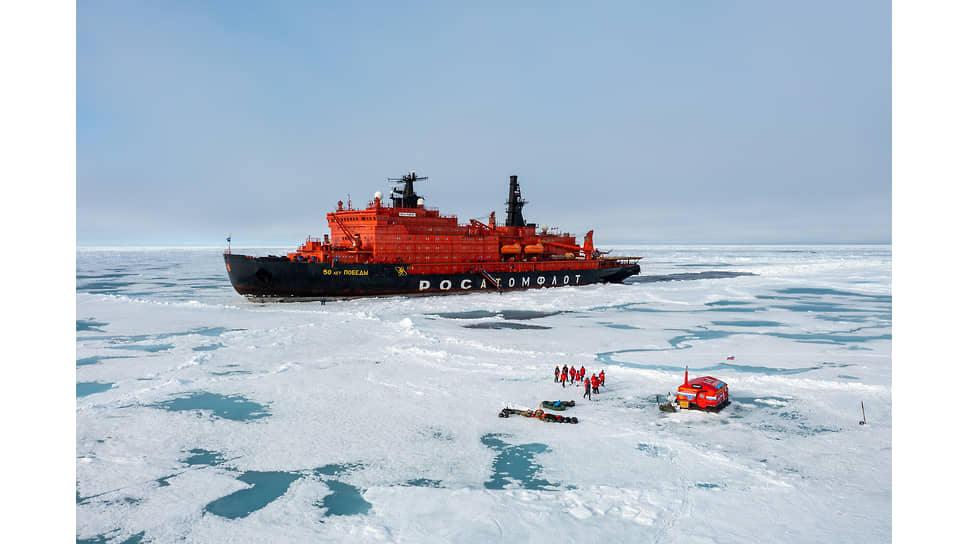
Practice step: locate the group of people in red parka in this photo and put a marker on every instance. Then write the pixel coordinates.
(569, 375)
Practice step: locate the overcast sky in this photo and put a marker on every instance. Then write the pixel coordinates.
(650, 122)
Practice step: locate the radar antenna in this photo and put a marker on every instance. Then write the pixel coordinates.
(405, 197)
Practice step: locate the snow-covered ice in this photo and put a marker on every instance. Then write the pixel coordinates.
(206, 418)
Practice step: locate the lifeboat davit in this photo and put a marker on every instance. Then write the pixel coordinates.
(534, 249)
(511, 249)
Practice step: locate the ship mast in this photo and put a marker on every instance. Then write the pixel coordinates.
(407, 197)
(515, 203)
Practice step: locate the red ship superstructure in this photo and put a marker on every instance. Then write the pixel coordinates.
(403, 247)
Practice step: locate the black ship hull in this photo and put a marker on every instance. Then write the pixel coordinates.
(279, 279)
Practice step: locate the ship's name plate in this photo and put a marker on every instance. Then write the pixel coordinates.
(509, 282)
(348, 272)
(408, 214)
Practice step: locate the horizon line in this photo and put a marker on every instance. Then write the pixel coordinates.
(649, 244)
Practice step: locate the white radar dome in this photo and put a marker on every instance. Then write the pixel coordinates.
(378, 194)
(544, 227)
(419, 202)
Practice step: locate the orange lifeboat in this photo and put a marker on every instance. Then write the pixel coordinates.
(511, 249)
(534, 249)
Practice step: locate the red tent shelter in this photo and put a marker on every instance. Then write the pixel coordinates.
(705, 393)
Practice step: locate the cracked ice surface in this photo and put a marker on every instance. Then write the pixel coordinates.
(375, 420)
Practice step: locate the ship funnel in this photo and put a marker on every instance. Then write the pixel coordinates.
(515, 203)
(589, 247)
